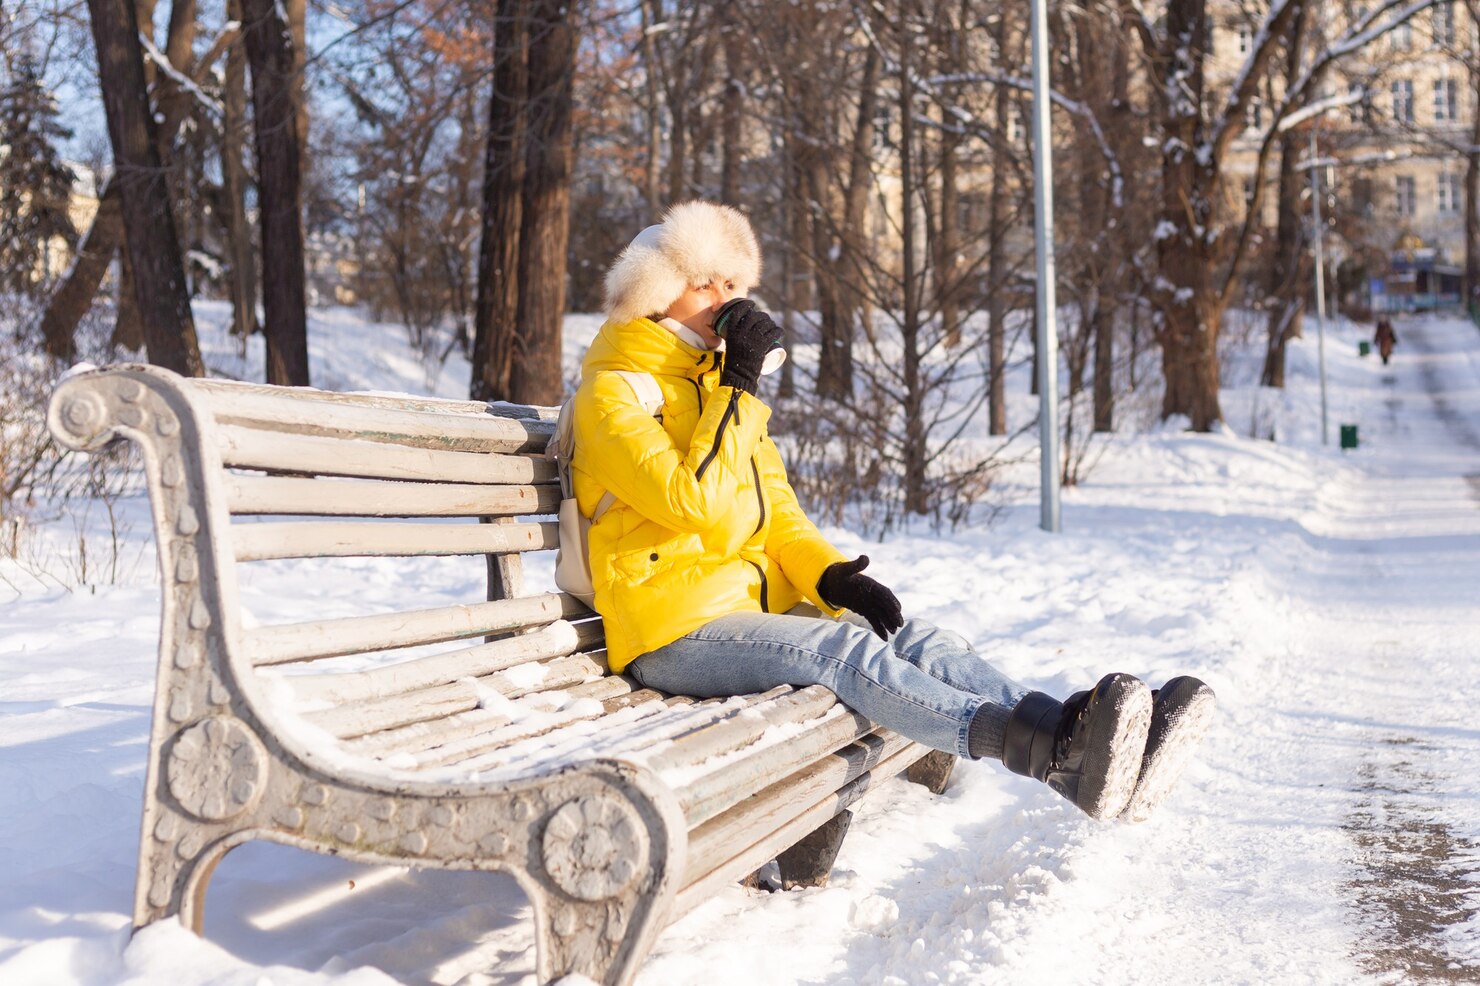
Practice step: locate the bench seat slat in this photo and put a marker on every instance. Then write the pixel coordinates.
(537, 733)
(319, 455)
(784, 813)
(730, 781)
(632, 738)
(613, 692)
(254, 495)
(374, 715)
(424, 737)
(295, 642)
(339, 418)
(797, 707)
(358, 539)
(555, 640)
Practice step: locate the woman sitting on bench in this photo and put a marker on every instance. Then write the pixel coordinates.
(712, 581)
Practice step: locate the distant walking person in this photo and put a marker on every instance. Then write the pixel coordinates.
(1386, 339)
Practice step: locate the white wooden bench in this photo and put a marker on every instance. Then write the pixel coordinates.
(616, 808)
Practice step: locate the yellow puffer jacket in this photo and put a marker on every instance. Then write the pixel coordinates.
(705, 523)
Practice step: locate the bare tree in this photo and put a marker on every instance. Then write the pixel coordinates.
(279, 183)
(496, 321)
(73, 296)
(154, 250)
(545, 214)
(234, 191)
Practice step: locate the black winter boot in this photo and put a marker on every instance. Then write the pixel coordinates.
(1089, 748)
(1181, 712)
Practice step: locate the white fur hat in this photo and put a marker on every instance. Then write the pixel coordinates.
(697, 242)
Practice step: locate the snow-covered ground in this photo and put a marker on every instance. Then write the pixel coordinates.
(1329, 833)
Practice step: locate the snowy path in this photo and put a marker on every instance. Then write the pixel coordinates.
(1349, 842)
(1329, 834)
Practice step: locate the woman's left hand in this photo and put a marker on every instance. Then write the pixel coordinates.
(843, 587)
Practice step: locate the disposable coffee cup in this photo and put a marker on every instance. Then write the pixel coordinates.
(773, 358)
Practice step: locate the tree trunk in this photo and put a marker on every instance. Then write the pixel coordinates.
(73, 298)
(678, 138)
(1288, 273)
(652, 91)
(159, 269)
(545, 226)
(916, 497)
(496, 318)
(835, 329)
(1190, 366)
(128, 323)
(1472, 188)
(279, 190)
(732, 149)
(1104, 337)
(1290, 270)
(297, 12)
(234, 179)
(837, 268)
(997, 258)
(795, 270)
(1189, 335)
(74, 295)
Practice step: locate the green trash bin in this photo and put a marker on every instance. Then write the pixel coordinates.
(1364, 348)
(1348, 436)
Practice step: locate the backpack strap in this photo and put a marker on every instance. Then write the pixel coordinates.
(645, 387)
(562, 444)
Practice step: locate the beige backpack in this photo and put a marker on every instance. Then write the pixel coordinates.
(573, 558)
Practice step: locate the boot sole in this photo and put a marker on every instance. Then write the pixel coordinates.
(1116, 744)
(1180, 719)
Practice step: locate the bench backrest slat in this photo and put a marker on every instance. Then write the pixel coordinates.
(255, 448)
(294, 642)
(306, 415)
(372, 498)
(345, 539)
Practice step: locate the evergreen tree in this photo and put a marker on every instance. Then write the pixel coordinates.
(35, 184)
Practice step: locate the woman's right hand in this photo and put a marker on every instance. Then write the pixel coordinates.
(749, 334)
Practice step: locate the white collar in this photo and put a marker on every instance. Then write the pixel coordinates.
(688, 335)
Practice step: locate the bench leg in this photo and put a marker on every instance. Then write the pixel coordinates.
(809, 863)
(932, 771)
(606, 869)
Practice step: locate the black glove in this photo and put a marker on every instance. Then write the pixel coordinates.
(843, 588)
(749, 335)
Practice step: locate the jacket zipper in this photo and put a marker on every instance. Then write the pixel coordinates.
(719, 433)
(759, 496)
(765, 604)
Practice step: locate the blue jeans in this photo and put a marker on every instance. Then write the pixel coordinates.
(924, 683)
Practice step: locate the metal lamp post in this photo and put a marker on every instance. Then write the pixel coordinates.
(1048, 353)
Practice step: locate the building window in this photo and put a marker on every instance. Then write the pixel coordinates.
(1443, 14)
(1358, 108)
(1402, 36)
(1245, 39)
(1407, 199)
(1402, 91)
(1248, 192)
(1449, 192)
(1254, 114)
(1446, 105)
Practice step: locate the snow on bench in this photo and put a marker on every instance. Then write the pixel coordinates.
(617, 808)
